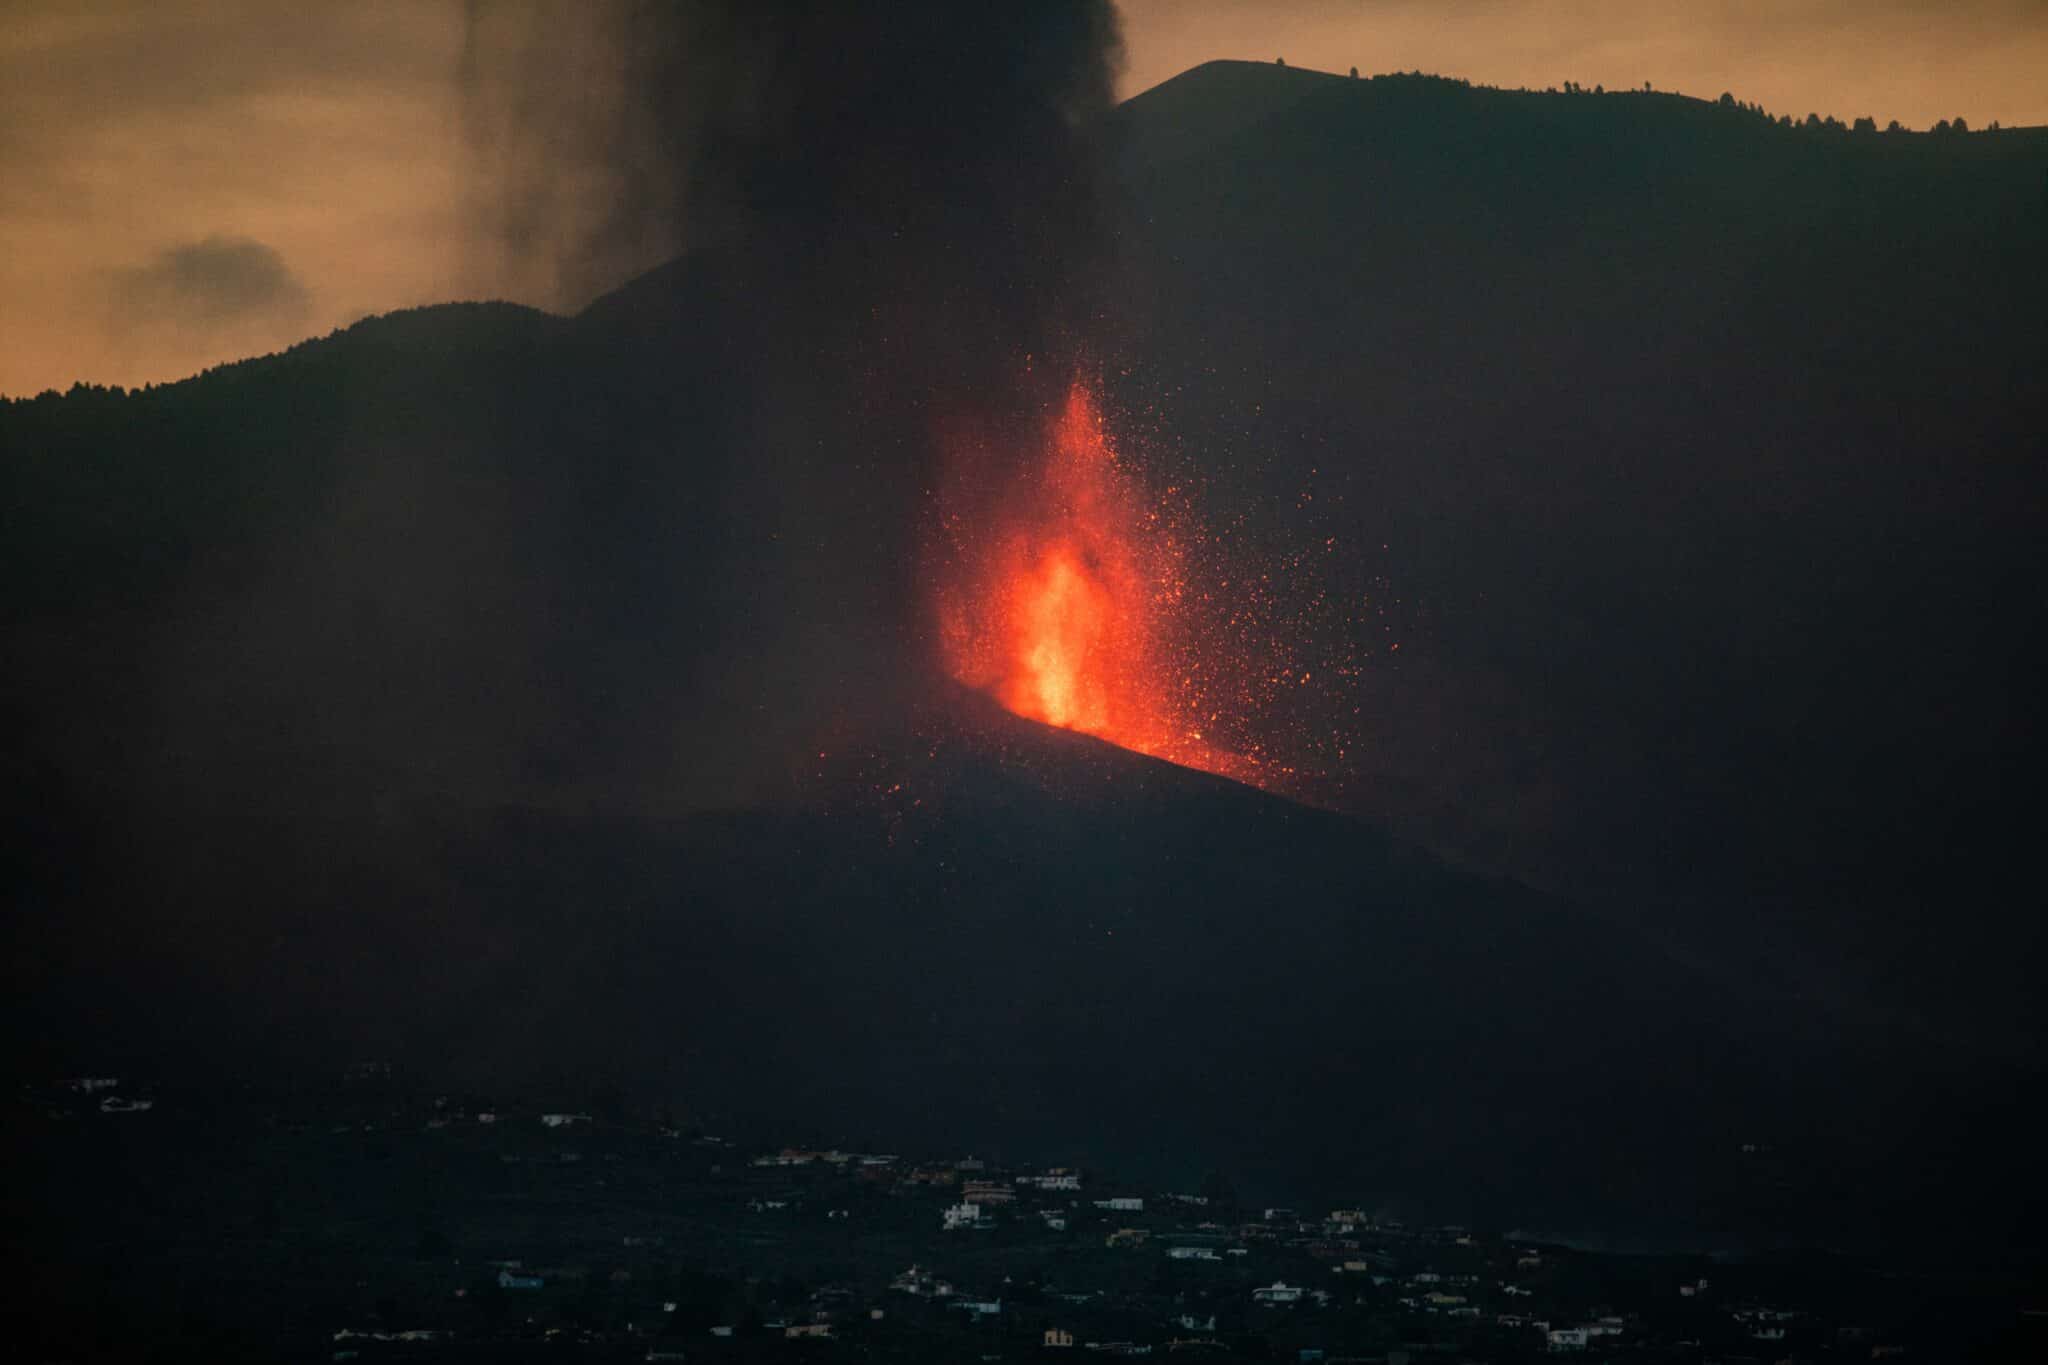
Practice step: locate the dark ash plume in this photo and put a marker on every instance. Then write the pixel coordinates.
(888, 213)
(613, 134)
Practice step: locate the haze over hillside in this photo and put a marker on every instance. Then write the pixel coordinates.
(497, 690)
(1706, 456)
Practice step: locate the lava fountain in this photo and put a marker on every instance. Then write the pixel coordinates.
(1065, 597)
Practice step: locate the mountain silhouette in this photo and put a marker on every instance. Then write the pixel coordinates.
(533, 699)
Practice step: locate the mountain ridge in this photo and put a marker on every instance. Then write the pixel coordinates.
(450, 686)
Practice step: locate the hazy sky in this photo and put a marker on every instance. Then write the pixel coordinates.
(186, 181)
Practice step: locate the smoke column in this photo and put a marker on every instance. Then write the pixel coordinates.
(891, 208)
(932, 156)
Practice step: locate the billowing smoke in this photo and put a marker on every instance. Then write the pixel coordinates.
(889, 139)
(887, 212)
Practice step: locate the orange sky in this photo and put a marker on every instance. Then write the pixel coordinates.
(1917, 61)
(183, 182)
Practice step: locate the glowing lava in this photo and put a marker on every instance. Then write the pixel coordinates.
(1065, 600)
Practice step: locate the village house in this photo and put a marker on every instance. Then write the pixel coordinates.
(1122, 1203)
(1058, 1336)
(1278, 1292)
(407, 1334)
(986, 1192)
(510, 1279)
(959, 1216)
(921, 1283)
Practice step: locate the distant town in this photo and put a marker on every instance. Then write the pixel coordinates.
(363, 1224)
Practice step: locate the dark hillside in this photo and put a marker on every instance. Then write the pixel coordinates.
(1704, 454)
(984, 936)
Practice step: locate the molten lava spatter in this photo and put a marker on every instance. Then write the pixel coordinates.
(1065, 600)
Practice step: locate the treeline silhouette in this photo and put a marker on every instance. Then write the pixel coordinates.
(1727, 101)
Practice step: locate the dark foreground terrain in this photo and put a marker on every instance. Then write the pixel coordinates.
(356, 1218)
(977, 932)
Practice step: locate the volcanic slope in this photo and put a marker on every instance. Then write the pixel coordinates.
(990, 936)
(522, 698)
(1695, 463)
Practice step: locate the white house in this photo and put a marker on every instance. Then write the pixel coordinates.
(1122, 1203)
(922, 1283)
(1567, 1338)
(1192, 1254)
(1277, 1292)
(962, 1216)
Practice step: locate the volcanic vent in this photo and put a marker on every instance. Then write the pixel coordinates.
(1076, 594)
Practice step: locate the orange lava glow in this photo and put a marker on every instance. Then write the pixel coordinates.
(1066, 600)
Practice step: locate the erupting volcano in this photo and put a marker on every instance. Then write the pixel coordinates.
(1066, 598)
